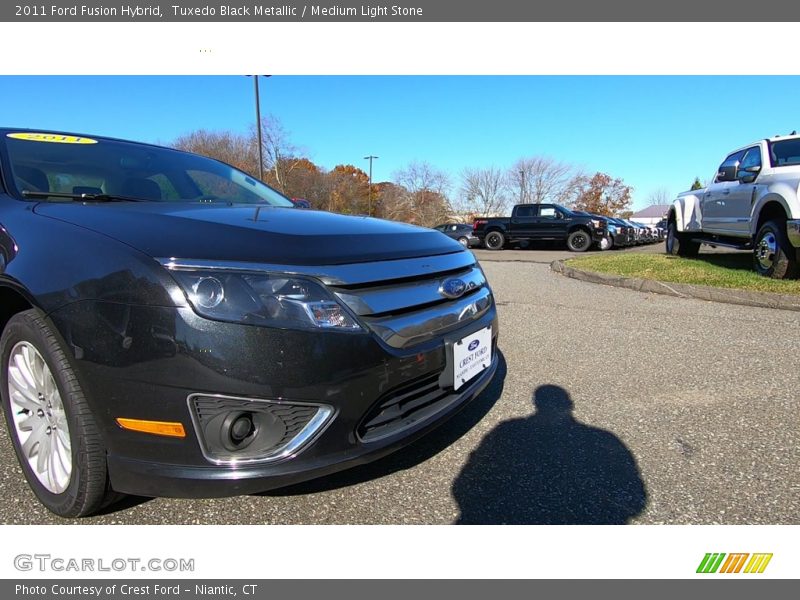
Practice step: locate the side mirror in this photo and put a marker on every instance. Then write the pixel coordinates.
(749, 174)
(728, 172)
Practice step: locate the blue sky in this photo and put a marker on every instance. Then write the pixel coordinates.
(654, 132)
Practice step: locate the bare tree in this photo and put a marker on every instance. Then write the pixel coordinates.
(279, 154)
(484, 191)
(425, 199)
(541, 179)
(659, 196)
(421, 176)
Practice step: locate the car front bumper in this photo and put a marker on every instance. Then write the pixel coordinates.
(171, 355)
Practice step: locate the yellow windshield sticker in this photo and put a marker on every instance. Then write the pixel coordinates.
(51, 137)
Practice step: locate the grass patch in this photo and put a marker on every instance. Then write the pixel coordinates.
(733, 271)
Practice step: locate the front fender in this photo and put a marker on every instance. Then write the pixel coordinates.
(688, 213)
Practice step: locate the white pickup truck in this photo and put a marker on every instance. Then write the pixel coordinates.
(752, 203)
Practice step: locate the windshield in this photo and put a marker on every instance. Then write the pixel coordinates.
(84, 166)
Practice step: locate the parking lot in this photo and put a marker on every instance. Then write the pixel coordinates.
(610, 406)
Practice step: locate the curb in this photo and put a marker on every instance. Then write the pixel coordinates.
(683, 290)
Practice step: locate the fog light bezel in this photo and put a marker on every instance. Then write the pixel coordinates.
(321, 420)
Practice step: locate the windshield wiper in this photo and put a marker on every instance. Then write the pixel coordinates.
(83, 197)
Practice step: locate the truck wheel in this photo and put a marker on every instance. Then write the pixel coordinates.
(579, 240)
(494, 240)
(773, 255)
(606, 243)
(679, 244)
(54, 435)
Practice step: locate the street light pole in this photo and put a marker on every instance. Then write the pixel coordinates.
(369, 195)
(522, 186)
(258, 130)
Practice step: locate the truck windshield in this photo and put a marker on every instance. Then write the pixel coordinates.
(70, 165)
(785, 153)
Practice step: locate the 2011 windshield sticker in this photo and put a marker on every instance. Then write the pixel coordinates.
(52, 138)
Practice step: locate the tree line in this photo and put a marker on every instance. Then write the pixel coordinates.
(419, 192)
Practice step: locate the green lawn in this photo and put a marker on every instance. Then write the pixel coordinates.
(716, 270)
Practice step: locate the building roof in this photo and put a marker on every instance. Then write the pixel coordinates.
(656, 210)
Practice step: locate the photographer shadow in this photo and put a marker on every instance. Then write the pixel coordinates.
(550, 469)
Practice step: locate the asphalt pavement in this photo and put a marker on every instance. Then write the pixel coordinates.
(610, 406)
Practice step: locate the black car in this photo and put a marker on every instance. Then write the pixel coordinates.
(173, 327)
(460, 232)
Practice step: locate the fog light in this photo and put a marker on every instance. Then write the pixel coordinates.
(233, 430)
(241, 428)
(236, 429)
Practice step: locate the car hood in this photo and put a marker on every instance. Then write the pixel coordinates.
(252, 234)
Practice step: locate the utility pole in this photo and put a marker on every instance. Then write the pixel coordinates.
(521, 186)
(369, 196)
(258, 130)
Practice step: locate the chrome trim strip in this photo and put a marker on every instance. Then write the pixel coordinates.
(378, 300)
(349, 274)
(318, 423)
(793, 232)
(413, 328)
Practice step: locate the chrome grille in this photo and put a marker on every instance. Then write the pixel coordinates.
(410, 310)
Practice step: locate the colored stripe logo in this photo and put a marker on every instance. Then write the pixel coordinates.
(719, 562)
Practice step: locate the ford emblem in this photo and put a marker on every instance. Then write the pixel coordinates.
(453, 288)
(473, 344)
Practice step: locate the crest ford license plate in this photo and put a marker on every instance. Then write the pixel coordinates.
(471, 355)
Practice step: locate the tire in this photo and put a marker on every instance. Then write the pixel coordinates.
(579, 240)
(494, 240)
(53, 432)
(773, 255)
(607, 243)
(679, 244)
(464, 242)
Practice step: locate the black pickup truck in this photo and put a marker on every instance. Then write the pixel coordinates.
(532, 222)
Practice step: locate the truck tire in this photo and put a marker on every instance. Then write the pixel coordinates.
(773, 255)
(494, 240)
(53, 432)
(579, 240)
(679, 244)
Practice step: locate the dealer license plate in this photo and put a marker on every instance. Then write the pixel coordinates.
(471, 355)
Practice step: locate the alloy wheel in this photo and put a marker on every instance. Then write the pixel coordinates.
(40, 422)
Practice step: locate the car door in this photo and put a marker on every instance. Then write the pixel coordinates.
(737, 207)
(551, 223)
(523, 222)
(714, 202)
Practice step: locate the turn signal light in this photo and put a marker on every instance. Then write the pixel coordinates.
(155, 427)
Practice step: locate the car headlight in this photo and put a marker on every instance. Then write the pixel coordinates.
(266, 299)
(596, 223)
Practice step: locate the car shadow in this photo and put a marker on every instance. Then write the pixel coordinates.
(121, 505)
(549, 468)
(740, 261)
(415, 453)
